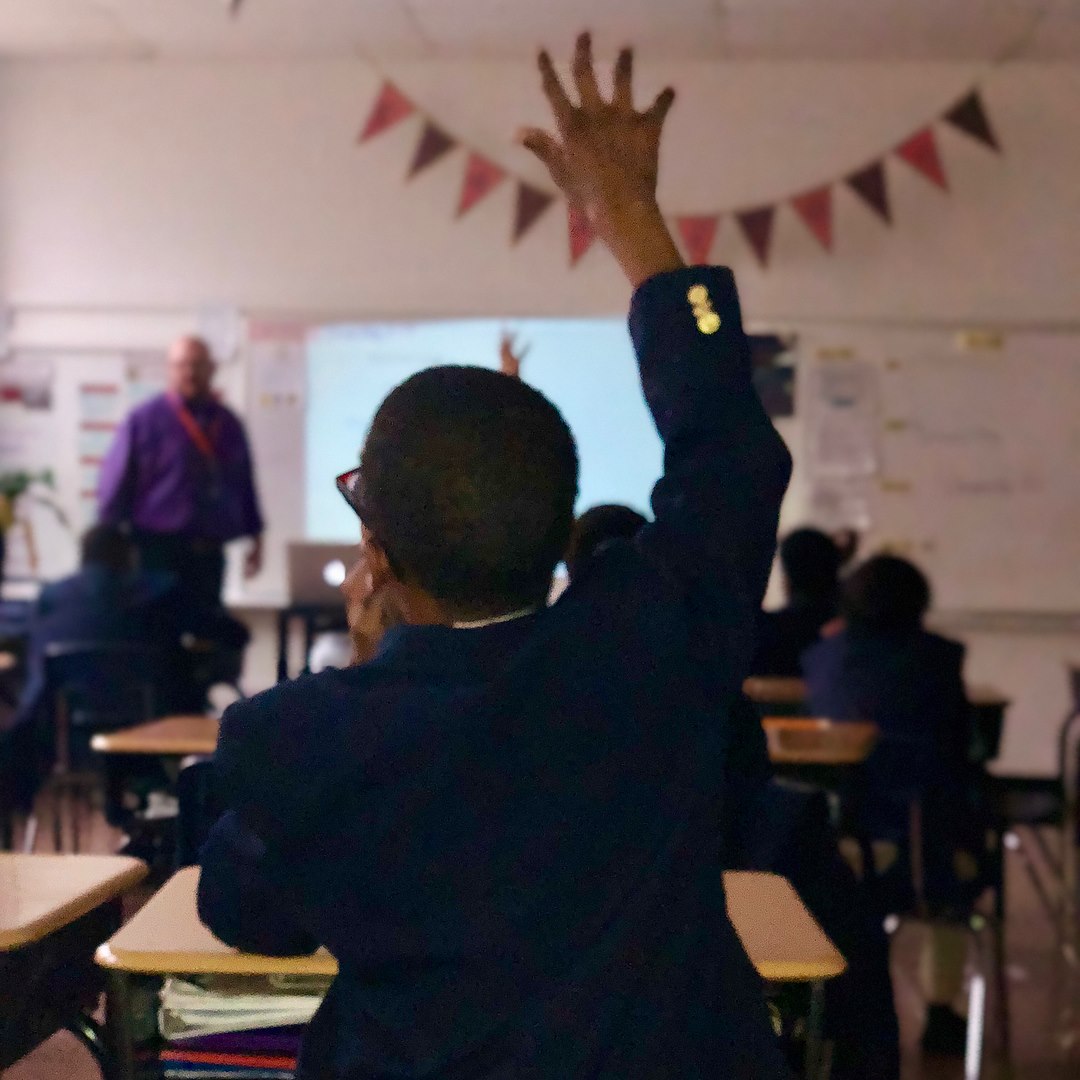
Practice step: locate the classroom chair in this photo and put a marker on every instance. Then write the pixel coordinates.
(1024, 807)
(95, 686)
(977, 926)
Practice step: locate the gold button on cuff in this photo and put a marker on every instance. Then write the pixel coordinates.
(709, 323)
(697, 295)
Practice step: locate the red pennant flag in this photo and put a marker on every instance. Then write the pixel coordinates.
(698, 234)
(757, 228)
(970, 117)
(390, 108)
(434, 142)
(920, 151)
(531, 203)
(815, 208)
(481, 178)
(581, 234)
(869, 185)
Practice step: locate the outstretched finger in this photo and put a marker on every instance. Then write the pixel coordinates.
(659, 108)
(623, 97)
(561, 105)
(585, 74)
(547, 149)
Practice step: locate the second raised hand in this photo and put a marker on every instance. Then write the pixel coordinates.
(605, 159)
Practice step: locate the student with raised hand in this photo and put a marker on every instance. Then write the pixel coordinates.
(505, 824)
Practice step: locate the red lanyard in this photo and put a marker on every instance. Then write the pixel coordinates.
(204, 443)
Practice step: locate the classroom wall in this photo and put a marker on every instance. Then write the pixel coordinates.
(148, 184)
(134, 196)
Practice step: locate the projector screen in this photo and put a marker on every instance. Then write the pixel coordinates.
(585, 366)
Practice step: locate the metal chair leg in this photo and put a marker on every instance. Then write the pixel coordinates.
(976, 1019)
(30, 832)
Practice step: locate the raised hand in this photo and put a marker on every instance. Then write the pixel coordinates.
(605, 159)
(509, 360)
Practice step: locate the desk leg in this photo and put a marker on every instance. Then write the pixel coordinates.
(282, 645)
(818, 1052)
(119, 1037)
(309, 639)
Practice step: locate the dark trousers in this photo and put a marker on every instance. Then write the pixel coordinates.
(199, 565)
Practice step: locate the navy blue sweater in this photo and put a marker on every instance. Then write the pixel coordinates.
(512, 837)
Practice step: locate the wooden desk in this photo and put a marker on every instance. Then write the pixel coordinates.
(40, 894)
(775, 690)
(166, 938)
(801, 740)
(54, 909)
(174, 736)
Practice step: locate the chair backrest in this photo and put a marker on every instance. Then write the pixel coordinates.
(99, 685)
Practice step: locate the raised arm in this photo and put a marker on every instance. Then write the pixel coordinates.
(725, 468)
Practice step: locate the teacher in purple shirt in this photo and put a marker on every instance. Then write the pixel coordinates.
(179, 475)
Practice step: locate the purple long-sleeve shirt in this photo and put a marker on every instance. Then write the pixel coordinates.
(155, 478)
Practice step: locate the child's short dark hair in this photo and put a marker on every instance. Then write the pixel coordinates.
(468, 480)
(106, 545)
(598, 526)
(886, 594)
(811, 562)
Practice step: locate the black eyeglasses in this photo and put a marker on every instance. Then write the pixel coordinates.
(347, 484)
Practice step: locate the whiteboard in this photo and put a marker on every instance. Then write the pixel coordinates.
(976, 459)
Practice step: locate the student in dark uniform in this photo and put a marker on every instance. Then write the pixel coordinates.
(810, 561)
(493, 824)
(885, 667)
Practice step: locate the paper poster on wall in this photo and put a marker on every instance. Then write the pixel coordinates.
(842, 503)
(28, 435)
(842, 418)
(146, 377)
(276, 406)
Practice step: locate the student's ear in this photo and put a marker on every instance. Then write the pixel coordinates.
(376, 559)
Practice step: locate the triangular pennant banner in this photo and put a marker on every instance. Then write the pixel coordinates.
(434, 142)
(757, 228)
(581, 234)
(531, 203)
(698, 234)
(869, 185)
(920, 152)
(815, 208)
(390, 108)
(481, 177)
(970, 117)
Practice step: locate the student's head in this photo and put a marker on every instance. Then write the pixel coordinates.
(466, 492)
(595, 528)
(104, 545)
(811, 563)
(886, 595)
(190, 368)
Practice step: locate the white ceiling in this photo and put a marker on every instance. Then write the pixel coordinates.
(400, 29)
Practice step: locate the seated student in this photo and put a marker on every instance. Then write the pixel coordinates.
(107, 601)
(492, 824)
(597, 526)
(810, 561)
(883, 666)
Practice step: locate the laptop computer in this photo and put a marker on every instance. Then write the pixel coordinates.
(316, 572)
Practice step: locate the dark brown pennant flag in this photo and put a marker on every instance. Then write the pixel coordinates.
(921, 153)
(757, 225)
(970, 117)
(433, 144)
(390, 108)
(581, 234)
(531, 203)
(869, 185)
(698, 234)
(815, 208)
(481, 178)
